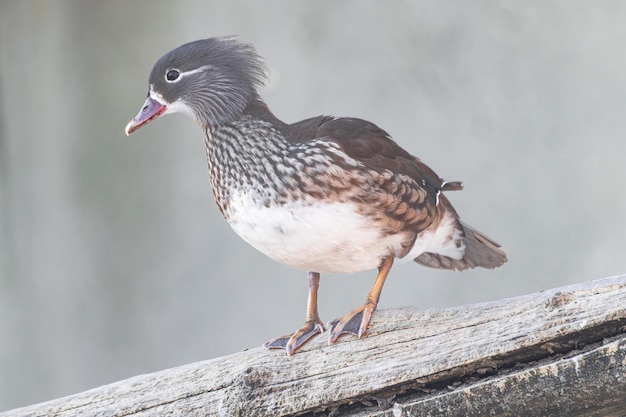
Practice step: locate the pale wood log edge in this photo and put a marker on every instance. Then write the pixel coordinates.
(556, 352)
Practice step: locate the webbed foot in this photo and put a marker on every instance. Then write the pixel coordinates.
(292, 342)
(355, 322)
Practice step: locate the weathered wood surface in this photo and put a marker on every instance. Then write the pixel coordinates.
(557, 352)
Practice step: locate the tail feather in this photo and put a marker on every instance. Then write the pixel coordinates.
(480, 251)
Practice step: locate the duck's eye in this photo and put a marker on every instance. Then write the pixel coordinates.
(172, 75)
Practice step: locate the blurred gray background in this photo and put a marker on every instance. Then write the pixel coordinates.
(114, 259)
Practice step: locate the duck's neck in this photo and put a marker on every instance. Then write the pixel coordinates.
(246, 155)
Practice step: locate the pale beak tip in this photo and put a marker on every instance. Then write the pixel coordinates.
(129, 127)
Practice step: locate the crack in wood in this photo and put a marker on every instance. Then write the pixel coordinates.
(564, 347)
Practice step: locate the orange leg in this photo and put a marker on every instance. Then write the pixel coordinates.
(356, 321)
(312, 327)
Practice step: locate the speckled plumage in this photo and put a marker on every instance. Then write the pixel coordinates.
(325, 194)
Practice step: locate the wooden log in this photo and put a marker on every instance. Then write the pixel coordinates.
(557, 352)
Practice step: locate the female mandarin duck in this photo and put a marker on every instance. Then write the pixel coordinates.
(324, 194)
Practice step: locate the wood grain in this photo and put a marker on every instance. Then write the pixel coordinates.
(556, 352)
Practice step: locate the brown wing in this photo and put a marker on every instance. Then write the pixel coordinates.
(372, 146)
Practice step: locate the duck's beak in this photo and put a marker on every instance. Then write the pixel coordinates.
(151, 110)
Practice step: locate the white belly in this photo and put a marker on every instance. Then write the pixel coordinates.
(320, 237)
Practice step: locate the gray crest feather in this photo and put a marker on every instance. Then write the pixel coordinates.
(226, 75)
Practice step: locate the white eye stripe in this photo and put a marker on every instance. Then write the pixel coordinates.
(182, 74)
